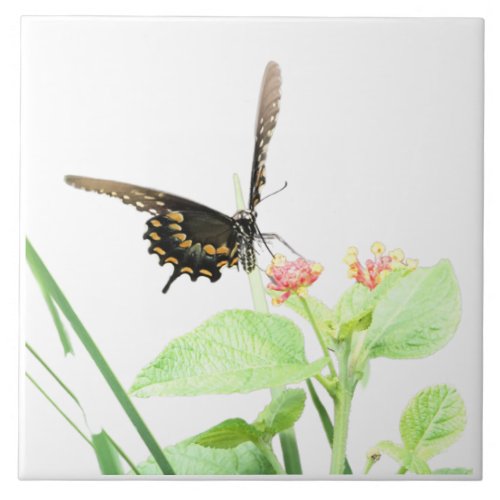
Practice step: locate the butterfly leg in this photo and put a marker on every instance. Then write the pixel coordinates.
(274, 236)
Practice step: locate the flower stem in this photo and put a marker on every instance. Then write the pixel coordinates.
(268, 452)
(342, 409)
(288, 439)
(341, 418)
(319, 336)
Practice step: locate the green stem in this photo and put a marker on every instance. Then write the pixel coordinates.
(342, 409)
(54, 404)
(320, 338)
(288, 439)
(402, 470)
(341, 415)
(271, 457)
(48, 283)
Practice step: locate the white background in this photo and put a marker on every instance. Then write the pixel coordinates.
(379, 137)
(9, 149)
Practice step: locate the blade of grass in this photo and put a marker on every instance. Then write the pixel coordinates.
(71, 394)
(48, 283)
(288, 439)
(124, 456)
(61, 330)
(54, 404)
(107, 455)
(56, 378)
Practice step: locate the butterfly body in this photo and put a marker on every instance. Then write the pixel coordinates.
(198, 240)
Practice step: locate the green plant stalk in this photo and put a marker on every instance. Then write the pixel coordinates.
(321, 341)
(325, 420)
(268, 452)
(402, 470)
(47, 282)
(54, 404)
(342, 409)
(288, 440)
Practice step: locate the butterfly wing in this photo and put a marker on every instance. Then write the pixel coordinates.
(197, 240)
(267, 112)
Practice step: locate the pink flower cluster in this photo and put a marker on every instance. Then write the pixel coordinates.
(291, 276)
(376, 269)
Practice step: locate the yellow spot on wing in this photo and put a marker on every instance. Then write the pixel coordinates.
(156, 223)
(180, 236)
(186, 244)
(155, 236)
(174, 227)
(172, 260)
(206, 272)
(187, 270)
(233, 262)
(159, 250)
(210, 249)
(175, 216)
(223, 250)
(222, 263)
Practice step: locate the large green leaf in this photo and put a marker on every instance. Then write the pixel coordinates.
(191, 459)
(282, 412)
(433, 420)
(234, 351)
(228, 434)
(417, 316)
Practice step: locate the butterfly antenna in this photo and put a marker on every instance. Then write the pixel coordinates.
(274, 192)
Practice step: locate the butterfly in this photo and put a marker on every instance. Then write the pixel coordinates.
(198, 240)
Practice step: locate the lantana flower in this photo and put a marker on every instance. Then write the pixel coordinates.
(291, 276)
(376, 269)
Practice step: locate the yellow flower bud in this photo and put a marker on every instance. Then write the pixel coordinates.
(412, 263)
(397, 255)
(377, 248)
(352, 251)
(317, 268)
(350, 259)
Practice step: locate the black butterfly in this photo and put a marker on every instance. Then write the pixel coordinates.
(195, 239)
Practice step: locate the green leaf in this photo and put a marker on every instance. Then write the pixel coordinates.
(417, 316)
(433, 420)
(228, 434)
(353, 311)
(282, 412)
(452, 471)
(107, 455)
(234, 351)
(192, 459)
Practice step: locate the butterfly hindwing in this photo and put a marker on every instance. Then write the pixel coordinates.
(267, 113)
(174, 238)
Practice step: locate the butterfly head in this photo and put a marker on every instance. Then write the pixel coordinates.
(244, 221)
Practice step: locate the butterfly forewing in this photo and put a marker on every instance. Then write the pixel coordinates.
(195, 239)
(267, 113)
